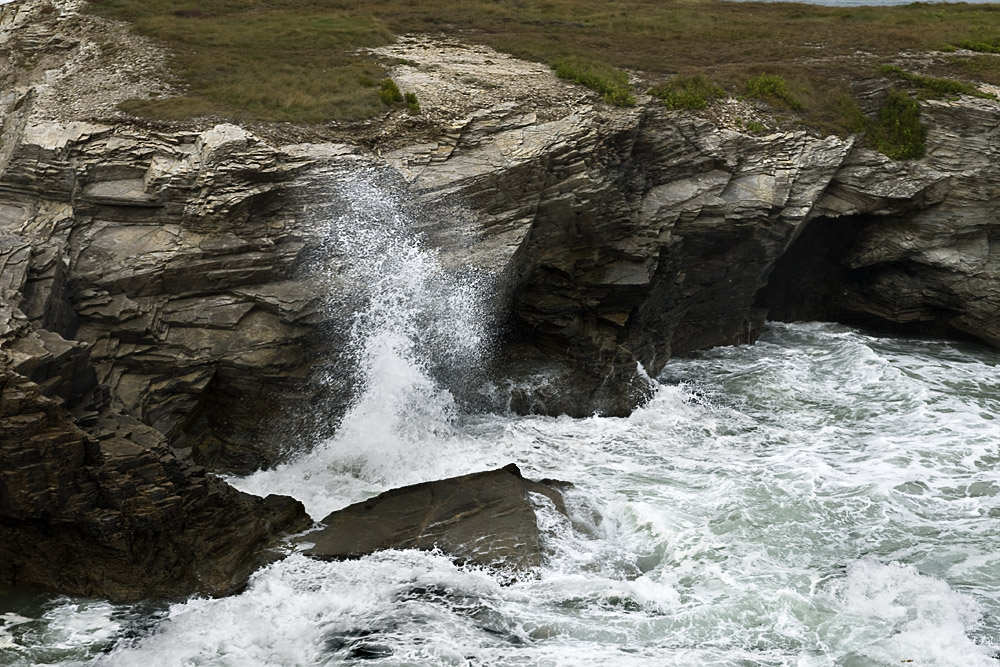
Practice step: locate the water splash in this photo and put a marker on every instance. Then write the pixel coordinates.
(416, 339)
(759, 513)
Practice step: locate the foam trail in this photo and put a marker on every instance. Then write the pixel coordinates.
(823, 499)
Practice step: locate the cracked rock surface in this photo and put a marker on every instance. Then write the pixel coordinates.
(157, 303)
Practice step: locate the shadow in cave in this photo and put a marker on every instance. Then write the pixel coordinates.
(809, 279)
(814, 281)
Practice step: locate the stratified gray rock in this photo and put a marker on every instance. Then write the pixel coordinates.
(171, 263)
(630, 236)
(119, 516)
(156, 286)
(485, 518)
(162, 261)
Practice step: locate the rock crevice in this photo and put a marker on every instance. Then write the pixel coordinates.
(157, 303)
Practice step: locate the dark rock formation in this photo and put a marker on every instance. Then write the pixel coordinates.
(155, 281)
(647, 234)
(118, 515)
(485, 518)
(172, 264)
(163, 257)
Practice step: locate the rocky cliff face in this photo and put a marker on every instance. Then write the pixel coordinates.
(158, 280)
(118, 515)
(639, 234)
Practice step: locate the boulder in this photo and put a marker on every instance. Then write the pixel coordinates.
(485, 518)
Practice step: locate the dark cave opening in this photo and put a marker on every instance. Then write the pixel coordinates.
(814, 281)
(807, 281)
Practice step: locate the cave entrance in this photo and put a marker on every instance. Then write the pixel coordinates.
(810, 277)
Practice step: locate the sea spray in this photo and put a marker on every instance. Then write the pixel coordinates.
(417, 340)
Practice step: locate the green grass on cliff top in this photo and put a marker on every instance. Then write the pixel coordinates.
(297, 60)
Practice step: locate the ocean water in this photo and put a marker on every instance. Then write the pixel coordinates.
(826, 497)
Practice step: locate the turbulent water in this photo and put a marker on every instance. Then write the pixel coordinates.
(824, 497)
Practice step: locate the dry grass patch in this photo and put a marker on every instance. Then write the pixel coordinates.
(296, 59)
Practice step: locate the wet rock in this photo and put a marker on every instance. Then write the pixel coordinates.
(614, 239)
(630, 236)
(118, 515)
(155, 287)
(485, 518)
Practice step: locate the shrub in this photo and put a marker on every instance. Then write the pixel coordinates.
(692, 92)
(411, 103)
(391, 96)
(755, 127)
(772, 87)
(991, 45)
(611, 83)
(389, 93)
(896, 130)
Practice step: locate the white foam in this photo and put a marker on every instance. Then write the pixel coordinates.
(893, 614)
(417, 321)
(760, 510)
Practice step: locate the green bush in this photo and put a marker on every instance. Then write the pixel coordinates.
(692, 92)
(411, 103)
(611, 83)
(896, 130)
(982, 46)
(772, 87)
(389, 93)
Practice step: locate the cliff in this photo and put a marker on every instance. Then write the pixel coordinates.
(157, 282)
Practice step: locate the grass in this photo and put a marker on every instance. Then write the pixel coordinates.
(688, 92)
(898, 131)
(982, 45)
(297, 60)
(895, 130)
(269, 62)
(774, 89)
(932, 87)
(609, 82)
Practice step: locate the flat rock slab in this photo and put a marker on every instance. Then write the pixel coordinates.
(485, 518)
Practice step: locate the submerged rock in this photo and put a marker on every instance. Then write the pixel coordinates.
(485, 518)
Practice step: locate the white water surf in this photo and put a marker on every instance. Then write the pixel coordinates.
(825, 497)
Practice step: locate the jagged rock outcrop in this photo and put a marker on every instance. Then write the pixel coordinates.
(621, 237)
(158, 253)
(639, 234)
(938, 269)
(118, 515)
(485, 518)
(161, 276)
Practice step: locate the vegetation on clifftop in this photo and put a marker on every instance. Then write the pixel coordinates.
(609, 82)
(299, 60)
(688, 92)
(896, 129)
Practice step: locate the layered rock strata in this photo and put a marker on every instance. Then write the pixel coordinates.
(118, 515)
(161, 279)
(618, 238)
